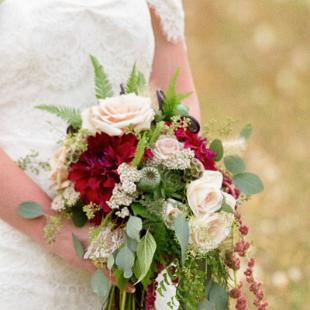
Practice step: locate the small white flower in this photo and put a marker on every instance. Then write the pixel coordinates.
(208, 232)
(123, 213)
(105, 244)
(58, 203)
(70, 195)
(129, 187)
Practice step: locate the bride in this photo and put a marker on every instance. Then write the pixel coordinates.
(44, 59)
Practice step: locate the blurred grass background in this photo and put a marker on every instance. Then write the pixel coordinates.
(251, 61)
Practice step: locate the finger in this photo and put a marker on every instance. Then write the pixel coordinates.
(130, 288)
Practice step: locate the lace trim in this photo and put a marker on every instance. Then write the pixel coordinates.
(171, 16)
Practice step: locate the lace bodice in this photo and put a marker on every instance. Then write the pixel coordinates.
(44, 59)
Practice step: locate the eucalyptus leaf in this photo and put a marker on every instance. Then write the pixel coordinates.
(218, 296)
(234, 164)
(79, 249)
(145, 253)
(132, 244)
(206, 305)
(133, 227)
(246, 131)
(110, 262)
(248, 183)
(182, 233)
(29, 210)
(125, 260)
(217, 146)
(100, 286)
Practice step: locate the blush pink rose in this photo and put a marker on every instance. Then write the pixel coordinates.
(113, 115)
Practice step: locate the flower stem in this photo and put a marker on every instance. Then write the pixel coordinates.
(123, 300)
(111, 298)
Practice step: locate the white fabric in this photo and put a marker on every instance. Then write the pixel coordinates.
(44, 59)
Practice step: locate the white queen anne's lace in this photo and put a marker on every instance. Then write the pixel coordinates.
(44, 59)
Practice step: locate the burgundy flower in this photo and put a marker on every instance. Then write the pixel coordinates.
(95, 174)
(198, 145)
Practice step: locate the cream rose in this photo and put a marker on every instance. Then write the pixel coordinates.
(208, 232)
(114, 114)
(204, 195)
(59, 172)
(171, 212)
(165, 146)
(230, 200)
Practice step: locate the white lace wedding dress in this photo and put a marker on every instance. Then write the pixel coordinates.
(44, 59)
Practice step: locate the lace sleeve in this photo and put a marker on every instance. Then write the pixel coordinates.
(171, 16)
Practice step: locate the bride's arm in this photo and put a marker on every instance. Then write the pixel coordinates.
(15, 188)
(168, 57)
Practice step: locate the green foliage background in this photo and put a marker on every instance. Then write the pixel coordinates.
(251, 61)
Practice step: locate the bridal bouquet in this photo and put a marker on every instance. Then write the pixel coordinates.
(163, 201)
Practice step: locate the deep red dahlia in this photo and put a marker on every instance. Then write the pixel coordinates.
(198, 145)
(95, 174)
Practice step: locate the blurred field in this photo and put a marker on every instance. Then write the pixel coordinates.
(251, 61)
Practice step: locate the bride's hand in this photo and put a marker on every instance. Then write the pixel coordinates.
(63, 247)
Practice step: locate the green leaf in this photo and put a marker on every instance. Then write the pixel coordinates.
(234, 164)
(133, 227)
(78, 216)
(248, 183)
(140, 210)
(217, 146)
(246, 131)
(156, 132)
(139, 151)
(120, 280)
(132, 244)
(182, 234)
(225, 207)
(136, 82)
(110, 262)
(71, 116)
(29, 210)
(218, 296)
(172, 98)
(145, 253)
(103, 86)
(206, 305)
(79, 249)
(125, 260)
(100, 286)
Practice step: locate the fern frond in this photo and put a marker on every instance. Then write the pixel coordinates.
(70, 115)
(103, 86)
(172, 98)
(140, 151)
(136, 82)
